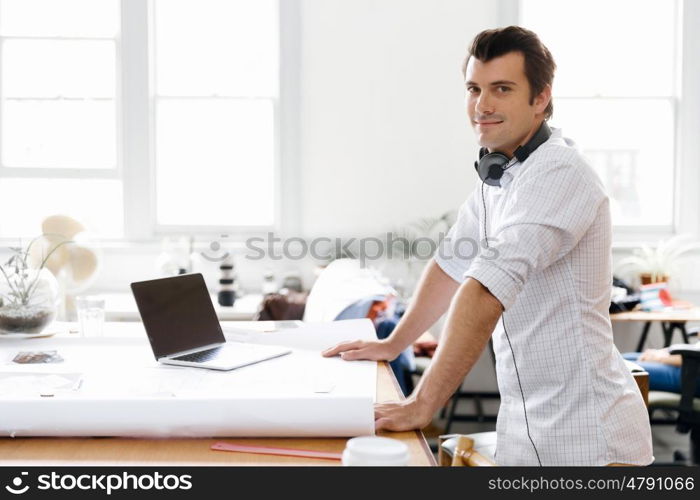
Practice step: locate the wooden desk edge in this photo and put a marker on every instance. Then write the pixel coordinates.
(117, 451)
(419, 434)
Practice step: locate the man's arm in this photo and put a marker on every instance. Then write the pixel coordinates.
(472, 318)
(432, 298)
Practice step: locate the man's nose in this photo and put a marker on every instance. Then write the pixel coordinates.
(484, 103)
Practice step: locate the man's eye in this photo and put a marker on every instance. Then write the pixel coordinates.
(503, 89)
(473, 90)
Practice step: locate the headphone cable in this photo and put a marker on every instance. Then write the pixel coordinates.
(505, 330)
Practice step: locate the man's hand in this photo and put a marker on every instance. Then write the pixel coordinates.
(376, 350)
(431, 299)
(657, 355)
(401, 416)
(661, 356)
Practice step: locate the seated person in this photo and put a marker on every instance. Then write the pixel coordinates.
(664, 369)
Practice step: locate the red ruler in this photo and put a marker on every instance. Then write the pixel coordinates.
(269, 450)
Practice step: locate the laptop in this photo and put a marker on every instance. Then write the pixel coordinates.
(183, 328)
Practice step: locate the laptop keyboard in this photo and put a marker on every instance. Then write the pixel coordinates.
(201, 356)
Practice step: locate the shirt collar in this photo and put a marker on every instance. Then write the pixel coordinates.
(510, 173)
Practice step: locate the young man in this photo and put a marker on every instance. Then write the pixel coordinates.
(541, 288)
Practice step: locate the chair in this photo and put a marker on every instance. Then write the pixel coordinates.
(686, 404)
(474, 450)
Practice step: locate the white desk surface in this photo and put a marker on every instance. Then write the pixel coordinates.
(112, 386)
(122, 307)
(131, 329)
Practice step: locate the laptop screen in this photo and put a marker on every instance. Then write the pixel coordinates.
(177, 313)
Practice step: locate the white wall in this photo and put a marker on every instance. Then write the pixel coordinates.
(384, 135)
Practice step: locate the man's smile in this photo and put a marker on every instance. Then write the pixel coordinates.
(486, 124)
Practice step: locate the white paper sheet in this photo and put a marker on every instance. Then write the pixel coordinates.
(38, 384)
(124, 392)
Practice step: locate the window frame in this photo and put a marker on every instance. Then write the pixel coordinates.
(115, 172)
(135, 134)
(140, 219)
(686, 109)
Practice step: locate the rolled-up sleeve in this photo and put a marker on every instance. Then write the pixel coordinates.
(543, 220)
(461, 244)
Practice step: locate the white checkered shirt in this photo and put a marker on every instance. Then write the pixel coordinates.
(548, 262)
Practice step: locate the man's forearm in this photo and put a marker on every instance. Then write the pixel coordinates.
(432, 298)
(473, 315)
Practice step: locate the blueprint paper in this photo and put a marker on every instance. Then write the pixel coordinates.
(123, 391)
(313, 336)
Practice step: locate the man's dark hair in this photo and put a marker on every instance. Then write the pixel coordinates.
(539, 63)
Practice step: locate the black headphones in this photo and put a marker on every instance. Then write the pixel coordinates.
(491, 166)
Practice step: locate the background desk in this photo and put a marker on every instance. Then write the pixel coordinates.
(120, 451)
(670, 321)
(122, 307)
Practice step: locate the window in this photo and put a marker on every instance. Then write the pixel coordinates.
(137, 117)
(58, 114)
(216, 87)
(616, 94)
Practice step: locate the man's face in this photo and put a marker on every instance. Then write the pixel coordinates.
(498, 102)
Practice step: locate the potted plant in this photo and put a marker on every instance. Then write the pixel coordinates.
(658, 264)
(29, 295)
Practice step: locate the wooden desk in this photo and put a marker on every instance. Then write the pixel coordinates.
(178, 452)
(670, 321)
(642, 379)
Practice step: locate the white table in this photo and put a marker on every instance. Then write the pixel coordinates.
(112, 386)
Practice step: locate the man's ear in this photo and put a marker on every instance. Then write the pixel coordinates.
(542, 99)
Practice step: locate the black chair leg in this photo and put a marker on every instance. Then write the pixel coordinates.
(643, 338)
(668, 332)
(451, 412)
(695, 445)
(679, 458)
(479, 409)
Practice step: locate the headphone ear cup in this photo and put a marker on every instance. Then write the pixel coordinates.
(491, 168)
